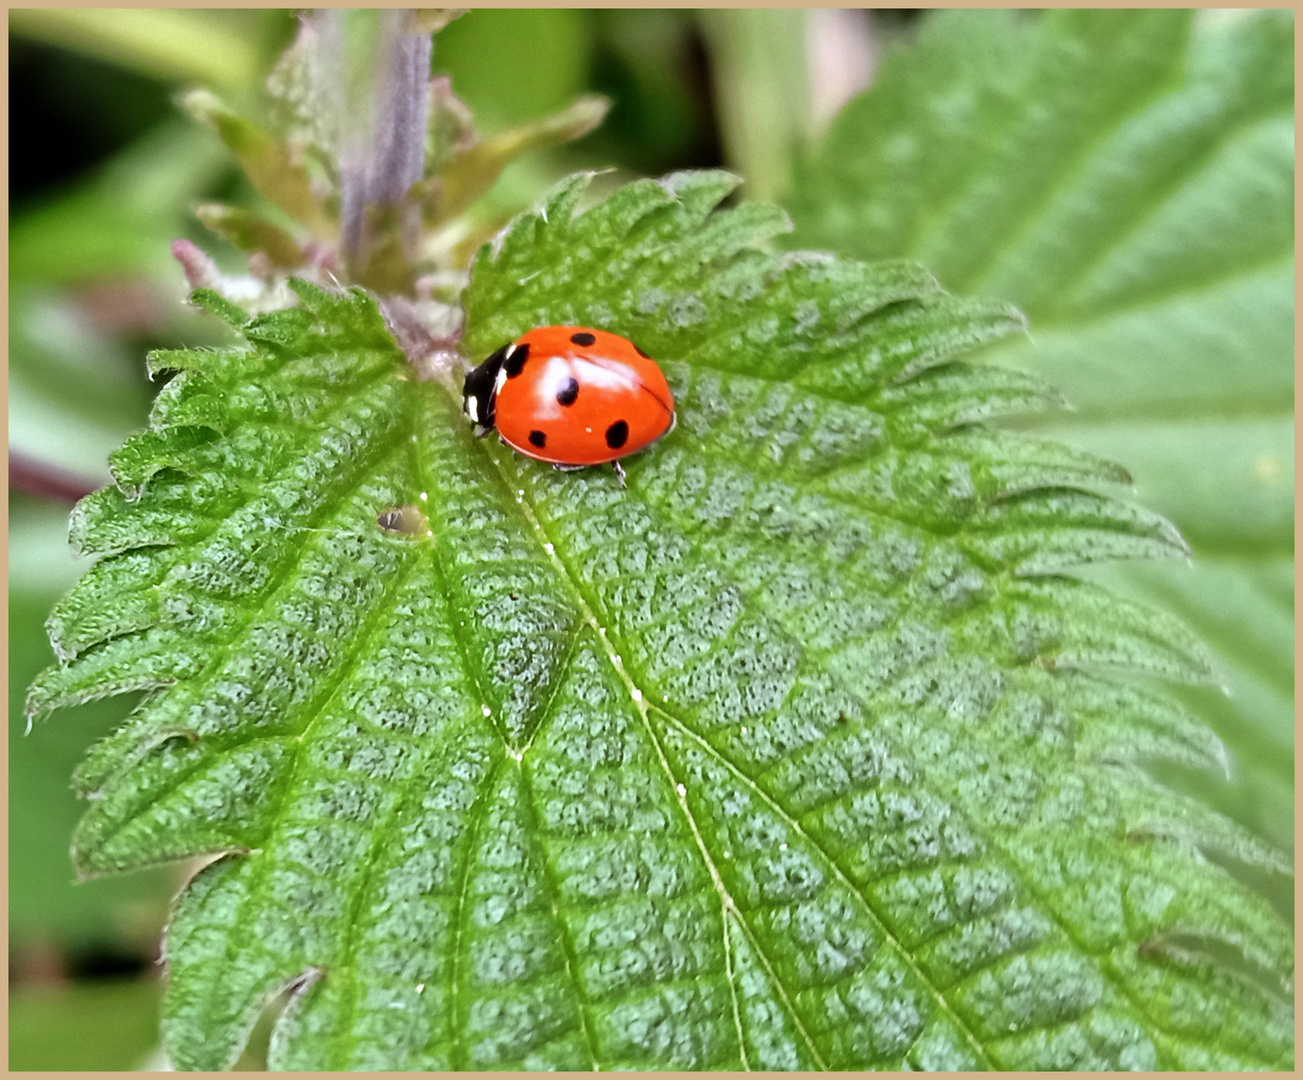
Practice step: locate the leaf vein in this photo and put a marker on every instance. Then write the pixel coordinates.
(562, 928)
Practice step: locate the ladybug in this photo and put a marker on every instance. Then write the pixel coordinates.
(571, 396)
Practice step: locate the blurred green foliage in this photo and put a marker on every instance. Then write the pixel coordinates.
(111, 1024)
(510, 65)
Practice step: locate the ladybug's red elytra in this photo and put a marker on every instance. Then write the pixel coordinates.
(571, 396)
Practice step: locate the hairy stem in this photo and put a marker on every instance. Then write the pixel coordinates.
(381, 110)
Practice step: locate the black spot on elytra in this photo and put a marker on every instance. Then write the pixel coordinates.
(617, 435)
(567, 394)
(640, 352)
(537, 438)
(583, 338)
(515, 362)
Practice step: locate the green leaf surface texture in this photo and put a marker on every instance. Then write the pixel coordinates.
(803, 751)
(1126, 178)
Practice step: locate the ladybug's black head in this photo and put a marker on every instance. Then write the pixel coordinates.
(480, 390)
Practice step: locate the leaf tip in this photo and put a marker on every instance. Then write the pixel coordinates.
(201, 104)
(585, 113)
(215, 304)
(39, 702)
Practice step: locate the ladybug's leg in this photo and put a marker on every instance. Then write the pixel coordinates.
(619, 470)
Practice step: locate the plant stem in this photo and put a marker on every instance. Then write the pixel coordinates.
(381, 112)
(759, 68)
(42, 480)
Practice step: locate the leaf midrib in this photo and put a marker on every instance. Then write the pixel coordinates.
(727, 904)
(638, 703)
(475, 674)
(545, 541)
(1156, 293)
(1169, 413)
(1099, 961)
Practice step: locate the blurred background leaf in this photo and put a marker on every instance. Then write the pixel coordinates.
(207, 46)
(514, 65)
(109, 1024)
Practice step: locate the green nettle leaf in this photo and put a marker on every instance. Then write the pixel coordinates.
(1127, 179)
(802, 751)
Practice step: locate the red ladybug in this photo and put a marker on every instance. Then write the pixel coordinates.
(571, 396)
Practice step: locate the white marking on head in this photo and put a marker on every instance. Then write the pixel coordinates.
(473, 407)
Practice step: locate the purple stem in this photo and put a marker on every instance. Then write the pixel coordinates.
(382, 136)
(45, 481)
